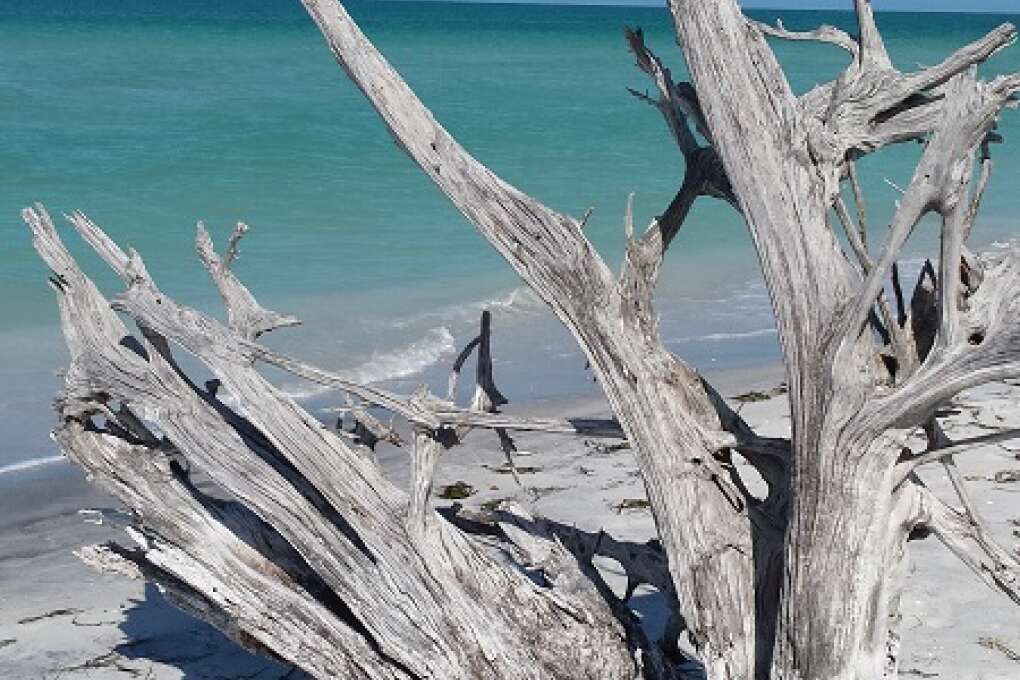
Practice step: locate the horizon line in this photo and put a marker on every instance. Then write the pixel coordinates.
(754, 6)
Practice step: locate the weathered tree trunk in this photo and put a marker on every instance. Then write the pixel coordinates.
(316, 558)
(785, 159)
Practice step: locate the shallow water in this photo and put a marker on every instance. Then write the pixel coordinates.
(149, 116)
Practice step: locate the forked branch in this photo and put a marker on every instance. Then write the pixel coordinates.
(873, 105)
(245, 316)
(967, 116)
(906, 467)
(971, 543)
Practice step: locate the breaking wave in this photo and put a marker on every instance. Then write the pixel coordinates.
(520, 299)
(407, 360)
(29, 464)
(713, 337)
(402, 362)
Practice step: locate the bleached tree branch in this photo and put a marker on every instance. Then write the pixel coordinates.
(329, 503)
(872, 48)
(889, 327)
(551, 253)
(873, 105)
(941, 175)
(245, 316)
(988, 349)
(823, 34)
(906, 467)
(966, 539)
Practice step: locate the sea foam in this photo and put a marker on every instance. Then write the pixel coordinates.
(408, 360)
(22, 465)
(402, 362)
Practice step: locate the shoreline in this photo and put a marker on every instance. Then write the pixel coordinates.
(60, 617)
(378, 265)
(726, 381)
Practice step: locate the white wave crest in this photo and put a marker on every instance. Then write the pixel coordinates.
(29, 464)
(713, 337)
(409, 360)
(520, 299)
(398, 363)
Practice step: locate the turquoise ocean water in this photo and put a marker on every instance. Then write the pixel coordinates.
(149, 116)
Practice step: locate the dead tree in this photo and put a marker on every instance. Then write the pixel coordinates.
(307, 553)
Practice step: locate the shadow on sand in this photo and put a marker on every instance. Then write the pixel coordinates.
(159, 632)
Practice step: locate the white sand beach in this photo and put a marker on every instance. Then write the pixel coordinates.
(59, 619)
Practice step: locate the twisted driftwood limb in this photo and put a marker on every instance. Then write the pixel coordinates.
(822, 34)
(369, 430)
(656, 398)
(368, 581)
(379, 595)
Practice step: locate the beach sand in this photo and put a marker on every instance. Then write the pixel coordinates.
(59, 619)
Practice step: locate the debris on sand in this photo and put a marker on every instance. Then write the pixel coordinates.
(997, 645)
(519, 469)
(757, 395)
(1004, 476)
(607, 447)
(457, 490)
(631, 504)
(49, 615)
(492, 505)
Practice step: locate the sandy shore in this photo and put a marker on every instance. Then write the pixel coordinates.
(58, 619)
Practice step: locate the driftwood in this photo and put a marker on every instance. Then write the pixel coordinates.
(308, 553)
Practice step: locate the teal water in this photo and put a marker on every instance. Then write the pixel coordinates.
(150, 115)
